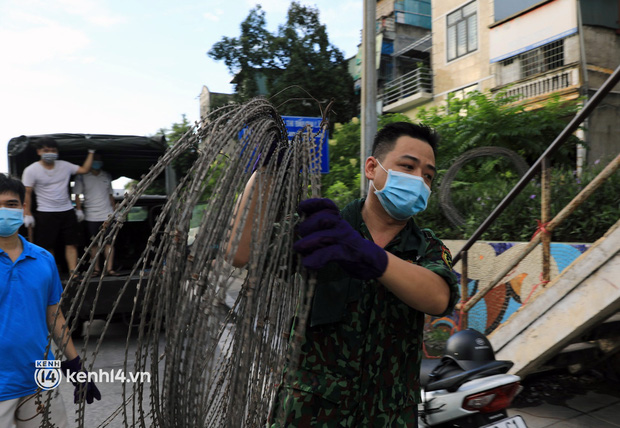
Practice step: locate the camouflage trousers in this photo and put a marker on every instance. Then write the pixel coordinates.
(300, 409)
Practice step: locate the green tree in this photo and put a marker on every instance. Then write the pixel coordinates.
(177, 130)
(180, 165)
(249, 56)
(183, 163)
(486, 119)
(291, 66)
(342, 183)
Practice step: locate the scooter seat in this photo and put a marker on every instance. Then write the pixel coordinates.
(449, 373)
(426, 368)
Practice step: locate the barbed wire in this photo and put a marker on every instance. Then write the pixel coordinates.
(219, 366)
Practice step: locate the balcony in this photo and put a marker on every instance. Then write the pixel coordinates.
(556, 80)
(407, 91)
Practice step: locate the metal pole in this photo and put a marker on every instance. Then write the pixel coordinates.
(545, 216)
(585, 92)
(369, 88)
(464, 291)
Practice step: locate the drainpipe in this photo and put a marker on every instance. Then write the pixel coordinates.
(369, 88)
(582, 133)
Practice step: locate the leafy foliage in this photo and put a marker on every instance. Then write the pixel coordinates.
(220, 100)
(291, 66)
(180, 165)
(183, 163)
(486, 119)
(249, 55)
(483, 120)
(174, 134)
(497, 120)
(595, 216)
(519, 221)
(343, 181)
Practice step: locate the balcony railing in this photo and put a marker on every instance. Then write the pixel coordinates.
(545, 84)
(417, 81)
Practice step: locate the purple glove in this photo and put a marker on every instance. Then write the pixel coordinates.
(74, 367)
(327, 237)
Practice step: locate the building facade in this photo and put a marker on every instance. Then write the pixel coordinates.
(529, 48)
(209, 101)
(403, 46)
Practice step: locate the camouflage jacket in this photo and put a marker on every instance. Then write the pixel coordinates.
(363, 345)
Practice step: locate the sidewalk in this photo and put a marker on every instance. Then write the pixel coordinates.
(563, 400)
(591, 410)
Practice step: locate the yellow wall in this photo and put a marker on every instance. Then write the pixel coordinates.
(471, 69)
(467, 70)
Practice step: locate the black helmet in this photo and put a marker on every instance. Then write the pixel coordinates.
(469, 345)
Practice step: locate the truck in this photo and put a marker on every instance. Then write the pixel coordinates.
(124, 156)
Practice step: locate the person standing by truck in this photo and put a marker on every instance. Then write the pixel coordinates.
(30, 291)
(49, 180)
(96, 186)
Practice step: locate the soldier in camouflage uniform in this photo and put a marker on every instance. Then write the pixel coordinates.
(360, 359)
(378, 273)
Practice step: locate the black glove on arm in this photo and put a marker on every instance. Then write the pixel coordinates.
(71, 368)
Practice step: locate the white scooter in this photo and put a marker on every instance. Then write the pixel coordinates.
(467, 387)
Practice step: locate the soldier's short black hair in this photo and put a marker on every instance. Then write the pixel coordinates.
(386, 137)
(12, 185)
(47, 142)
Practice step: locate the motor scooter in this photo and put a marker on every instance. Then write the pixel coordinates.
(467, 387)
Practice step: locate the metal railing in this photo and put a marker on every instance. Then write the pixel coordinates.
(541, 163)
(423, 44)
(412, 83)
(545, 84)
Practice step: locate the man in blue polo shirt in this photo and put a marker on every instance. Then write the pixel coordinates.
(30, 290)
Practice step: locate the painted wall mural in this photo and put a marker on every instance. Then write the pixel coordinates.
(485, 260)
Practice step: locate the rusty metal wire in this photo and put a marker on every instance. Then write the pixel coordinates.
(219, 366)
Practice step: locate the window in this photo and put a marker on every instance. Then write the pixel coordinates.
(461, 93)
(532, 62)
(413, 12)
(542, 59)
(138, 214)
(462, 31)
